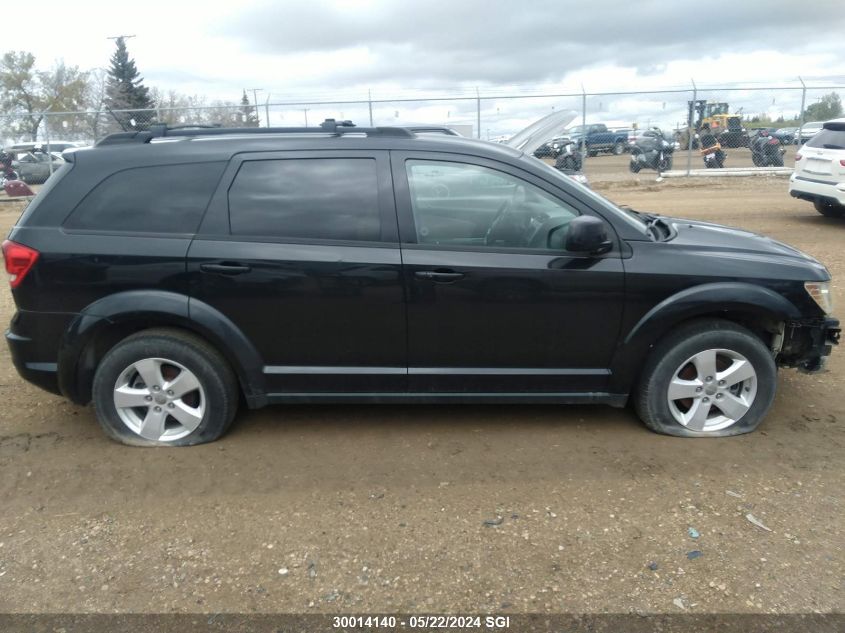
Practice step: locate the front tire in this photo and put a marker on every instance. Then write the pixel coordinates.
(829, 209)
(707, 378)
(618, 148)
(164, 387)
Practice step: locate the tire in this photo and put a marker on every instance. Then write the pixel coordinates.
(634, 167)
(205, 412)
(777, 161)
(592, 153)
(665, 164)
(733, 348)
(755, 158)
(618, 148)
(829, 209)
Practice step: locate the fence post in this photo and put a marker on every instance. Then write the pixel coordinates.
(801, 115)
(477, 113)
(583, 124)
(690, 125)
(47, 138)
(267, 109)
(370, 104)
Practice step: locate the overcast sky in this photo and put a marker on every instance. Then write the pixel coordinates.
(342, 48)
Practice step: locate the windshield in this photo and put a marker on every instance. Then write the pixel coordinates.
(629, 216)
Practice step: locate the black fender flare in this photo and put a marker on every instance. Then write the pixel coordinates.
(159, 308)
(703, 300)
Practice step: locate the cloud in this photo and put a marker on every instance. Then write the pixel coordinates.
(499, 41)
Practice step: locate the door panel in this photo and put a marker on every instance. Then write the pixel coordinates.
(485, 318)
(326, 315)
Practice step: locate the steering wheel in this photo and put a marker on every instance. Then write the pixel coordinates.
(505, 208)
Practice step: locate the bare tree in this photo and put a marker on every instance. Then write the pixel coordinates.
(26, 93)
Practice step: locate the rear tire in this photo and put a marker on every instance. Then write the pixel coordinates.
(677, 365)
(829, 209)
(198, 408)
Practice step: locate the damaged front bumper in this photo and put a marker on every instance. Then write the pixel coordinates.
(807, 343)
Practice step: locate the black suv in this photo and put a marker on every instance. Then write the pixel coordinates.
(168, 275)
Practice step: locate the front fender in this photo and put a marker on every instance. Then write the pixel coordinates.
(698, 301)
(135, 310)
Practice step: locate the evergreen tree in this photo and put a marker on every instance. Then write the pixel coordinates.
(247, 113)
(126, 91)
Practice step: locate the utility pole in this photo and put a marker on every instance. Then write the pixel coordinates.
(121, 37)
(255, 103)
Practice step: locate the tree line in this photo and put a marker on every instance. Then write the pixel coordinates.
(102, 100)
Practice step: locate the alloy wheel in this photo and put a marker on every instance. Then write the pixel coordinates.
(712, 390)
(159, 399)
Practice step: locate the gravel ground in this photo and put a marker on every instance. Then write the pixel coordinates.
(509, 509)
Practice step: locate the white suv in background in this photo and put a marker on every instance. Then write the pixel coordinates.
(820, 170)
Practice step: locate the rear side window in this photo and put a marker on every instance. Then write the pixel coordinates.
(309, 198)
(828, 139)
(160, 199)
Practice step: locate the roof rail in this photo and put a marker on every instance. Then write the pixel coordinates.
(432, 129)
(329, 126)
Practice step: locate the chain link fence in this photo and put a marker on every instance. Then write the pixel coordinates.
(736, 111)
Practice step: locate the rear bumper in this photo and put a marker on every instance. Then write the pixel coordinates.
(33, 339)
(813, 189)
(40, 374)
(808, 343)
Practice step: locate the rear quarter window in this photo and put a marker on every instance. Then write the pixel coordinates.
(158, 199)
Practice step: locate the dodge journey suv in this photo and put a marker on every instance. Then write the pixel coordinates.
(172, 275)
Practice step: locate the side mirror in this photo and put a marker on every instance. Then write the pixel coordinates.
(584, 234)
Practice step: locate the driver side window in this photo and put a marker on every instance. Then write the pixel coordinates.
(459, 204)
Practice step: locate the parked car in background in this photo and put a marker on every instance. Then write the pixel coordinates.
(552, 147)
(786, 135)
(34, 167)
(54, 147)
(820, 170)
(808, 130)
(597, 138)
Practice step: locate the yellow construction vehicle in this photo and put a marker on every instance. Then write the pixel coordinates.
(726, 126)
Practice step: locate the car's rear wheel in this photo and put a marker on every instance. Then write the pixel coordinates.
(708, 378)
(164, 387)
(618, 148)
(829, 209)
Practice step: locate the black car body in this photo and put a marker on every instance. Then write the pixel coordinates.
(387, 267)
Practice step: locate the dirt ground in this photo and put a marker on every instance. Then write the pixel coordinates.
(357, 509)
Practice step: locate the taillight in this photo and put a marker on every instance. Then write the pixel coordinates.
(19, 260)
(842, 161)
(797, 157)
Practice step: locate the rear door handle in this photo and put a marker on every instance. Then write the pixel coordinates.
(225, 268)
(440, 276)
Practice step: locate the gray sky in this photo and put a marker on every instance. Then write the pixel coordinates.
(342, 48)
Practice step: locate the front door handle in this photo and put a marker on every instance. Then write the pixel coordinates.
(225, 268)
(439, 276)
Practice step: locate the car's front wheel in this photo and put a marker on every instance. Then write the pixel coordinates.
(829, 209)
(164, 387)
(708, 378)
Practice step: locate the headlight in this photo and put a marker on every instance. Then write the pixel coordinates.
(819, 291)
